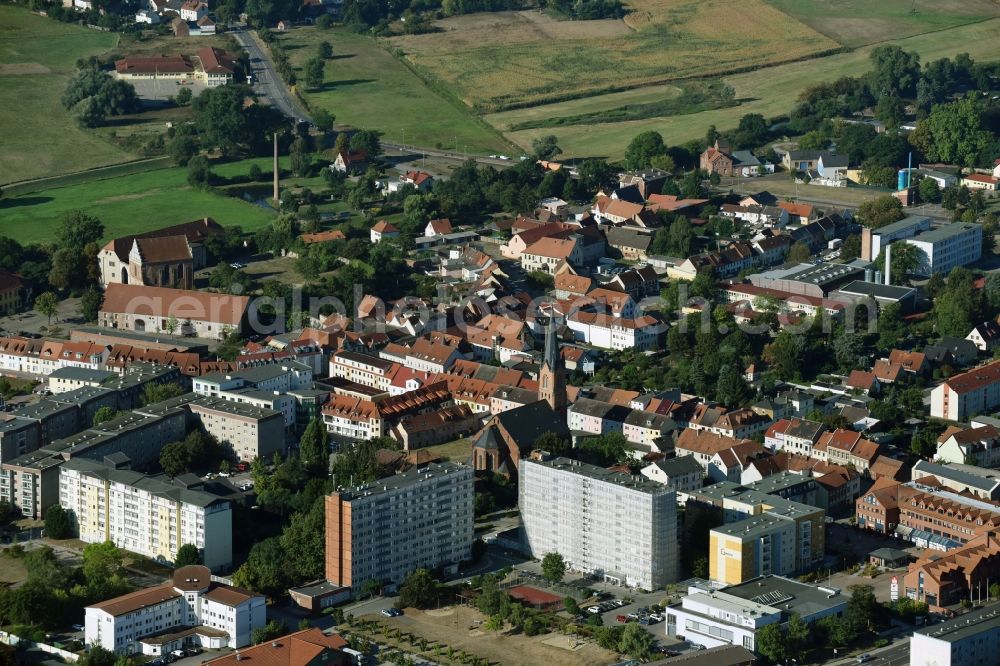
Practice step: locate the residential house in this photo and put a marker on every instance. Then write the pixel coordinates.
(383, 230)
(795, 435)
(682, 473)
(350, 161)
(978, 446)
(798, 213)
(985, 335)
(630, 244)
(440, 227)
(847, 448)
(548, 254)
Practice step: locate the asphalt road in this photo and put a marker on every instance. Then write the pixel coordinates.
(267, 84)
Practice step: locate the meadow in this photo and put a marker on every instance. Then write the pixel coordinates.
(511, 59)
(770, 91)
(127, 204)
(366, 87)
(41, 138)
(861, 22)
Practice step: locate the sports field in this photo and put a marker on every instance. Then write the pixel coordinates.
(366, 87)
(509, 59)
(37, 57)
(860, 22)
(771, 91)
(125, 205)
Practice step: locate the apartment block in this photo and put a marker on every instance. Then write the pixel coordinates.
(189, 610)
(967, 394)
(384, 530)
(362, 369)
(762, 531)
(281, 377)
(615, 525)
(250, 432)
(31, 481)
(152, 516)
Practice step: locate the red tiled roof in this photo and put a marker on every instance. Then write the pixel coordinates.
(384, 227)
(180, 303)
(159, 64)
(976, 378)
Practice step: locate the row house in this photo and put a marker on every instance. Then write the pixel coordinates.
(737, 424)
(848, 448)
(650, 432)
(703, 445)
(725, 263)
(353, 418)
(758, 216)
(363, 369)
(795, 435)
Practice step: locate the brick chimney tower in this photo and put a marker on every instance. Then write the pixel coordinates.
(277, 189)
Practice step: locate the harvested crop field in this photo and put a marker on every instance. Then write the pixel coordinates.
(771, 92)
(860, 22)
(512, 59)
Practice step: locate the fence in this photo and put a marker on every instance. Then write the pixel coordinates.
(12, 640)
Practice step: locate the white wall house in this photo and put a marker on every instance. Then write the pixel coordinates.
(150, 620)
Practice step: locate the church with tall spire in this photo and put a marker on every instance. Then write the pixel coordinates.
(552, 376)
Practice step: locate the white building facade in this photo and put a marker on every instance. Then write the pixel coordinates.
(190, 610)
(145, 515)
(606, 523)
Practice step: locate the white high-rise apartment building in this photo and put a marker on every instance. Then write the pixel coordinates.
(617, 525)
(384, 530)
(147, 515)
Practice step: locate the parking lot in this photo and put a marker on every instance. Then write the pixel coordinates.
(160, 90)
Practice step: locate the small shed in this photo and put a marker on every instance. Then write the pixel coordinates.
(318, 595)
(891, 558)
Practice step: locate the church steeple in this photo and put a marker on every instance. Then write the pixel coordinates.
(552, 377)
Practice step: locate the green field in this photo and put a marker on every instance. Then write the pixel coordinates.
(771, 91)
(860, 22)
(40, 138)
(127, 204)
(366, 87)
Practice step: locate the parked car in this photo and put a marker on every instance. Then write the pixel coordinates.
(77, 627)
(391, 612)
(593, 610)
(237, 265)
(862, 658)
(621, 618)
(193, 651)
(178, 654)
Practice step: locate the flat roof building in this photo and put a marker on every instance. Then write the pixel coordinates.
(615, 525)
(967, 640)
(384, 530)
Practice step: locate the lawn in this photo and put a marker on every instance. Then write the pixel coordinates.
(366, 87)
(40, 138)
(508, 59)
(457, 450)
(769, 91)
(11, 570)
(127, 204)
(860, 22)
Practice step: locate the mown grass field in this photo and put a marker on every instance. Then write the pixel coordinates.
(127, 204)
(771, 91)
(501, 60)
(37, 57)
(366, 87)
(861, 22)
